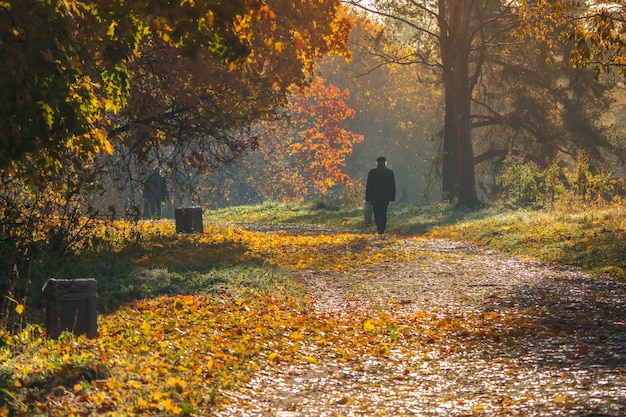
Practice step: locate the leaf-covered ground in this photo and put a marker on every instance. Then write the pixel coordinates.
(469, 332)
(393, 326)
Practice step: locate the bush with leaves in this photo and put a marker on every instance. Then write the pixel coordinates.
(39, 224)
(521, 182)
(593, 186)
(524, 183)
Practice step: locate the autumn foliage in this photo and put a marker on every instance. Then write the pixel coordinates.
(189, 353)
(177, 354)
(200, 108)
(95, 92)
(304, 153)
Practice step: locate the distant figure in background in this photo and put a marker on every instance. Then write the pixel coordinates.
(379, 191)
(154, 193)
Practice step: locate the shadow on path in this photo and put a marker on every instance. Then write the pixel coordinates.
(532, 340)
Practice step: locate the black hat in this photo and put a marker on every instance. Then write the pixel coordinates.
(381, 159)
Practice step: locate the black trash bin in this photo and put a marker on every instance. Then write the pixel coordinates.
(189, 220)
(71, 305)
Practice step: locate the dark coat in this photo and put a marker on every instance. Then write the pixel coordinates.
(155, 188)
(381, 186)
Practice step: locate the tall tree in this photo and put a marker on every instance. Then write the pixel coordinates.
(451, 35)
(455, 40)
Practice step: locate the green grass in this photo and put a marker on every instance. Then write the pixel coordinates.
(593, 239)
(405, 219)
(590, 237)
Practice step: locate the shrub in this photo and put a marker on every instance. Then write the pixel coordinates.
(39, 224)
(523, 183)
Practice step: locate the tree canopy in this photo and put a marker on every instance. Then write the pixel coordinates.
(69, 66)
(65, 65)
(596, 27)
(202, 107)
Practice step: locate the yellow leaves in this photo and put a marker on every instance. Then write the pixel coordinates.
(134, 384)
(156, 371)
(112, 383)
(19, 307)
(242, 24)
(278, 46)
(146, 328)
(107, 147)
(47, 113)
(296, 336)
(324, 252)
(478, 408)
(111, 30)
(177, 383)
(168, 355)
(112, 105)
(142, 404)
(208, 364)
(384, 349)
(170, 407)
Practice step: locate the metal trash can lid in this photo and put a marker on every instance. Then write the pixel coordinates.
(58, 287)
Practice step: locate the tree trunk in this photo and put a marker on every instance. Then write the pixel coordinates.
(455, 39)
(450, 157)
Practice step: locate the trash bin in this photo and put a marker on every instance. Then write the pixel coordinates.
(71, 305)
(188, 220)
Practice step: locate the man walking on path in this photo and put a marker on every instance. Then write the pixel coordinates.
(379, 191)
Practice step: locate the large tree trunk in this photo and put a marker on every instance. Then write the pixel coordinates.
(450, 157)
(455, 38)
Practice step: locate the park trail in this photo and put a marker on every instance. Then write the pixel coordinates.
(485, 333)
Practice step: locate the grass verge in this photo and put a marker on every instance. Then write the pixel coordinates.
(590, 237)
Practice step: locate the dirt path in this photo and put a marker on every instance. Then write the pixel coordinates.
(550, 341)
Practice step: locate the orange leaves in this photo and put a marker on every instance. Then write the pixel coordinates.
(330, 252)
(306, 154)
(266, 13)
(176, 355)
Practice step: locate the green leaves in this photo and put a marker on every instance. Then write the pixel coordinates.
(65, 67)
(51, 94)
